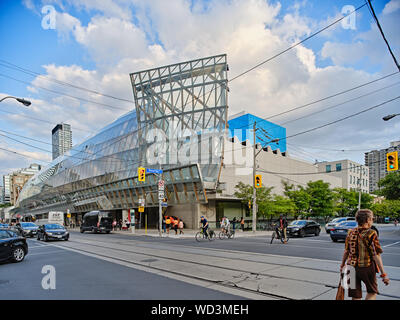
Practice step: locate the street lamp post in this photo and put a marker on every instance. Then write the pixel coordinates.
(26, 103)
(390, 116)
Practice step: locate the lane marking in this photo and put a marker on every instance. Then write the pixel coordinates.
(392, 244)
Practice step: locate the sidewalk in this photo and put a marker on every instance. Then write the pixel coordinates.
(188, 233)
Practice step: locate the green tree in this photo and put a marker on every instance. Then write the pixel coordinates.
(299, 197)
(264, 197)
(321, 204)
(380, 209)
(390, 186)
(344, 201)
(282, 205)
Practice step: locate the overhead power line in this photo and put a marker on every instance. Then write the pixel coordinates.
(13, 66)
(296, 44)
(63, 93)
(383, 34)
(23, 155)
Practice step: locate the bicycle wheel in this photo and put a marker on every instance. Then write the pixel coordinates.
(221, 235)
(212, 235)
(199, 236)
(273, 236)
(231, 234)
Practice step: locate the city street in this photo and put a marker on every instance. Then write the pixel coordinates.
(126, 266)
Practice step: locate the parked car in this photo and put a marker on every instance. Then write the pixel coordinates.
(53, 231)
(29, 229)
(303, 227)
(329, 226)
(96, 221)
(12, 246)
(340, 231)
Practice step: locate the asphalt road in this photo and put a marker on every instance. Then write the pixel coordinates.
(320, 247)
(86, 278)
(80, 276)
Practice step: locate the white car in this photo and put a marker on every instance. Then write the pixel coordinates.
(330, 225)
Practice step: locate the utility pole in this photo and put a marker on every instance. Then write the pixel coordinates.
(254, 180)
(359, 190)
(159, 204)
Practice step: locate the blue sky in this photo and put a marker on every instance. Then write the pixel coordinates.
(97, 44)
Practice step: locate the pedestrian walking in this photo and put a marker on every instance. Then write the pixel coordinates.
(167, 223)
(127, 223)
(176, 223)
(233, 223)
(114, 224)
(242, 224)
(163, 224)
(180, 227)
(363, 252)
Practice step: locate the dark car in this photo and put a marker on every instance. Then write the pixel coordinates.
(332, 224)
(302, 228)
(96, 221)
(52, 231)
(29, 229)
(340, 231)
(12, 246)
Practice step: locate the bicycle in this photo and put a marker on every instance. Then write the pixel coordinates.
(279, 235)
(229, 234)
(201, 235)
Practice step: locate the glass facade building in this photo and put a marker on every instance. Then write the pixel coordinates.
(178, 124)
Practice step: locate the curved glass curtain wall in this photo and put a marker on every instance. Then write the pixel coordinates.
(114, 149)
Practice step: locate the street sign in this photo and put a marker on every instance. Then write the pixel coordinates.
(160, 195)
(141, 209)
(161, 185)
(141, 202)
(158, 171)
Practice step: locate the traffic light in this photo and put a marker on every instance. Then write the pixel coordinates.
(142, 174)
(258, 180)
(392, 161)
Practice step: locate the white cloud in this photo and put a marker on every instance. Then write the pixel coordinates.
(120, 38)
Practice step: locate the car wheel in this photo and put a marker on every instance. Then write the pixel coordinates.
(334, 240)
(18, 254)
(302, 233)
(38, 238)
(46, 238)
(107, 232)
(66, 239)
(82, 231)
(317, 232)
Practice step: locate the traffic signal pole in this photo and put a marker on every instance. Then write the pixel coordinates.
(159, 205)
(359, 191)
(254, 181)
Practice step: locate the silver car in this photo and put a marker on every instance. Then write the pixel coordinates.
(332, 224)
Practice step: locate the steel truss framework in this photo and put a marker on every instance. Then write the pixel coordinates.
(101, 173)
(191, 95)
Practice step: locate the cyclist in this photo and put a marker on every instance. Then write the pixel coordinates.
(204, 223)
(225, 225)
(281, 227)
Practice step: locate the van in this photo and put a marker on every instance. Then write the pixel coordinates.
(51, 217)
(96, 221)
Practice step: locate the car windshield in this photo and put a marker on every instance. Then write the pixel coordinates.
(337, 220)
(298, 223)
(27, 224)
(53, 226)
